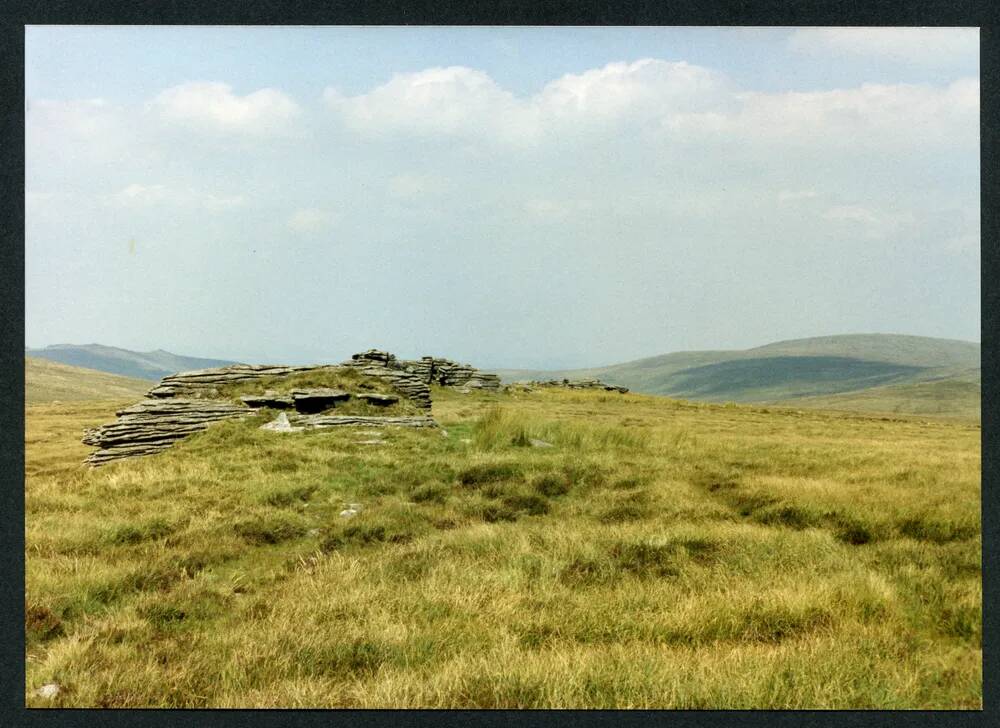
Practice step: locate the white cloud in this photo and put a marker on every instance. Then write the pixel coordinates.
(433, 101)
(310, 220)
(884, 116)
(213, 106)
(925, 46)
(462, 101)
(648, 87)
(138, 196)
(649, 99)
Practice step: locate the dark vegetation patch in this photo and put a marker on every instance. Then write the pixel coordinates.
(642, 559)
(41, 623)
(530, 503)
(787, 514)
(537, 636)
(625, 512)
(633, 506)
(766, 624)
(552, 484)
(181, 609)
(923, 528)
(284, 497)
(963, 622)
(367, 530)
(715, 481)
(630, 482)
(133, 533)
(356, 657)
(645, 559)
(430, 493)
(585, 474)
(270, 529)
(476, 475)
(856, 531)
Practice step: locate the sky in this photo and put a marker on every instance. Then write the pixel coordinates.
(511, 197)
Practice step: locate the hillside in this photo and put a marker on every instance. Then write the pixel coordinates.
(150, 365)
(46, 381)
(802, 368)
(949, 397)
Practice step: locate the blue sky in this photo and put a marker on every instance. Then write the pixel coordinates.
(518, 197)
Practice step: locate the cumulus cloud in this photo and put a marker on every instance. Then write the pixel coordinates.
(310, 220)
(647, 87)
(213, 106)
(920, 45)
(467, 102)
(651, 98)
(452, 100)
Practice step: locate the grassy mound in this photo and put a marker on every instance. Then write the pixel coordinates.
(343, 378)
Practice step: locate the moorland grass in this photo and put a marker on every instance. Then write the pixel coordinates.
(659, 554)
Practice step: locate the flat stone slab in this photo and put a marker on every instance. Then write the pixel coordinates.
(320, 421)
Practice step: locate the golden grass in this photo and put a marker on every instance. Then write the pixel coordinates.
(660, 554)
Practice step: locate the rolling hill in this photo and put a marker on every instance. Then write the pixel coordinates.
(46, 381)
(809, 372)
(149, 365)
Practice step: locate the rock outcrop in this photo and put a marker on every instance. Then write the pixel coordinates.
(153, 425)
(185, 403)
(576, 384)
(432, 370)
(208, 382)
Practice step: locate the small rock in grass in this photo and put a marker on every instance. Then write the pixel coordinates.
(465, 440)
(49, 690)
(280, 424)
(540, 443)
(371, 442)
(351, 510)
(444, 432)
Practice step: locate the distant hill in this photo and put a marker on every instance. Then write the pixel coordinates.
(149, 365)
(46, 381)
(805, 368)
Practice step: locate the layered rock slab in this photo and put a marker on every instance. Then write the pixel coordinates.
(153, 425)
